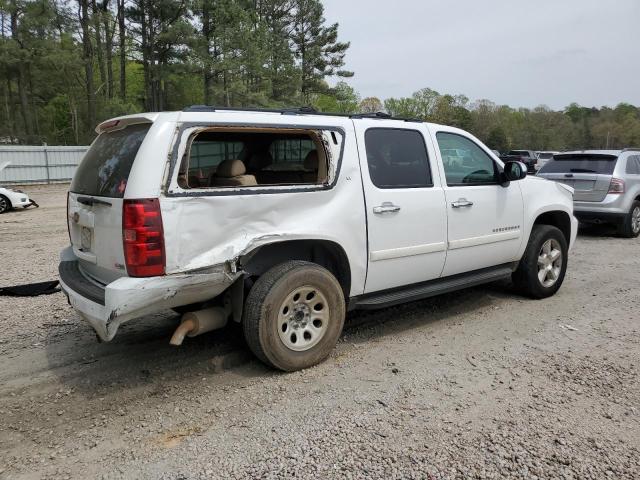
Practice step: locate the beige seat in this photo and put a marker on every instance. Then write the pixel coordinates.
(232, 173)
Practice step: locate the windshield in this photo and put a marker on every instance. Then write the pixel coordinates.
(104, 171)
(522, 153)
(602, 164)
(545, 156)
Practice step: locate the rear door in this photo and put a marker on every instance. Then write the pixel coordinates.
(406, 213)
(589, 174)
(95, 201)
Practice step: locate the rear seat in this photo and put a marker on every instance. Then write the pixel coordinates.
(232, 173)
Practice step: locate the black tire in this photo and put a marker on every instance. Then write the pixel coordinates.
(526, 277)
(262, 314)
(5, 204)
(626, 228)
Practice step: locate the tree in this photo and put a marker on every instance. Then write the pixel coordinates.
(371, 105)
(316, 47)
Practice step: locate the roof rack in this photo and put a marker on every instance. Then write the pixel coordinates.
(299, 111)
(631, 149)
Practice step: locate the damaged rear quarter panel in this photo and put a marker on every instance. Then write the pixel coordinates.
(209, 229)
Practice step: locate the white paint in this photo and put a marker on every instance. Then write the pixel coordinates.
(407, 251)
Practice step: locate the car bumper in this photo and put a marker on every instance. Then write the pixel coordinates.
(21, 202)
(106, 307)
(613, 205)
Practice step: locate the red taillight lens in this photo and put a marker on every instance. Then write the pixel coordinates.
(143, 237)
(616, 185)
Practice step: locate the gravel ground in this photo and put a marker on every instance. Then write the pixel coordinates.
(477, 384)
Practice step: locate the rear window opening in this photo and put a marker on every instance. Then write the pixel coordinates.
(599, 164)
(105, 169)
(222, 158)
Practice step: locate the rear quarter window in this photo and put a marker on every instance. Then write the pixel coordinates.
(105, 169)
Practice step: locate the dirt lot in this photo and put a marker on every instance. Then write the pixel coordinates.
(477, 384)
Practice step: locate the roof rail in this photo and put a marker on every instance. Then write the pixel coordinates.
(299, 111)
(631, 149)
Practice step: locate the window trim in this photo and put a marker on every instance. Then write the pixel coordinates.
(496, 166)
(172, 189)
(426, 151)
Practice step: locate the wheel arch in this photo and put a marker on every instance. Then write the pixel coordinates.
(326, 253)
(556, 218)
(9, 204)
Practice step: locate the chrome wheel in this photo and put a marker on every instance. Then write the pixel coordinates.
(635, 220)
(303, 318)
(549, 263)
(4, 205)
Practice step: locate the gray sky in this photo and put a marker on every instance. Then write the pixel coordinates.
(516, 52)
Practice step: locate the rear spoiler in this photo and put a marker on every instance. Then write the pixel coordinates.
(121, 122)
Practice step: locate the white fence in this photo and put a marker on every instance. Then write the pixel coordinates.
(46, 164)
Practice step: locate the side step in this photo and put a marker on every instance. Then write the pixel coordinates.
(431, 288)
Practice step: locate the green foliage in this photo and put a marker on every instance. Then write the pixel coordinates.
(62, 68)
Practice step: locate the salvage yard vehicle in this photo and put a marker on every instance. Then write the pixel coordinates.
(10, 199)
(606, 183)
(283, 220)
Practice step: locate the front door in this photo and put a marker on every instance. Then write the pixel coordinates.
(405, 204)
(485, 219)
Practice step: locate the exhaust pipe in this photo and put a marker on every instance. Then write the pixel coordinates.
(197, 323)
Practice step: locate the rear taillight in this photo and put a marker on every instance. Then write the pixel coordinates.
(616, 185)
(68, 219)
(143, 238)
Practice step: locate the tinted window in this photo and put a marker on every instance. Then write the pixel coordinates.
(545, 156)
(291, 151)
(471, 166)
(603, 164)
(104, 171)
(633, 165)
(397, 158)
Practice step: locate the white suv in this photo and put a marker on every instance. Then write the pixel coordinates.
(284, 220)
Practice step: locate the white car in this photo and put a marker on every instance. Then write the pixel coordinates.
(10, 198)
(285, 220)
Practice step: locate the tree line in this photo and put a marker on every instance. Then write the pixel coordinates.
(66, 65)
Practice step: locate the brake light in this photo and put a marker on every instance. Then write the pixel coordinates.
(143, 238)
(616, 185)
(68, 219)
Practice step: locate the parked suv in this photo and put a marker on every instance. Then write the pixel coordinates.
(607, 186)
(528, 157)
(285, 220)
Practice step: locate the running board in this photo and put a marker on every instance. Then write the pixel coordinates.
(431, 288)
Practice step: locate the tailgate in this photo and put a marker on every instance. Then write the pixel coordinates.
(587, 187)
(96, 199)
(588, 173)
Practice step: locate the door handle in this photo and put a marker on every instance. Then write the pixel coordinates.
(386, 207)
(463, 202)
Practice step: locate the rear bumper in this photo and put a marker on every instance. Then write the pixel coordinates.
(106, 307)
(611, 206)
(604, 217)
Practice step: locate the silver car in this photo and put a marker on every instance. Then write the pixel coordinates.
(606, 184)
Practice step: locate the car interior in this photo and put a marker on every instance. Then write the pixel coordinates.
(219, 158)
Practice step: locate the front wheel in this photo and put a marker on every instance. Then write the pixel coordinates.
(543, 266)
(5, 204)
(294, 315)
(630, 227)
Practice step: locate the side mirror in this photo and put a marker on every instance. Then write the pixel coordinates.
(514, 171)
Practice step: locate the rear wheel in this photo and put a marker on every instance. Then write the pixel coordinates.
(294, 315)
(5, 204)
(630, 227)
(542, 268)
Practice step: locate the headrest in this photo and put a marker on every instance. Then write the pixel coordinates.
(311, 160)
(231, 168)
(260, 160)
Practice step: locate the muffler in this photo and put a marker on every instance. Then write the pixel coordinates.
(197, 323)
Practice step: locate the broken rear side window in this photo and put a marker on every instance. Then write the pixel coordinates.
(219, 158)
